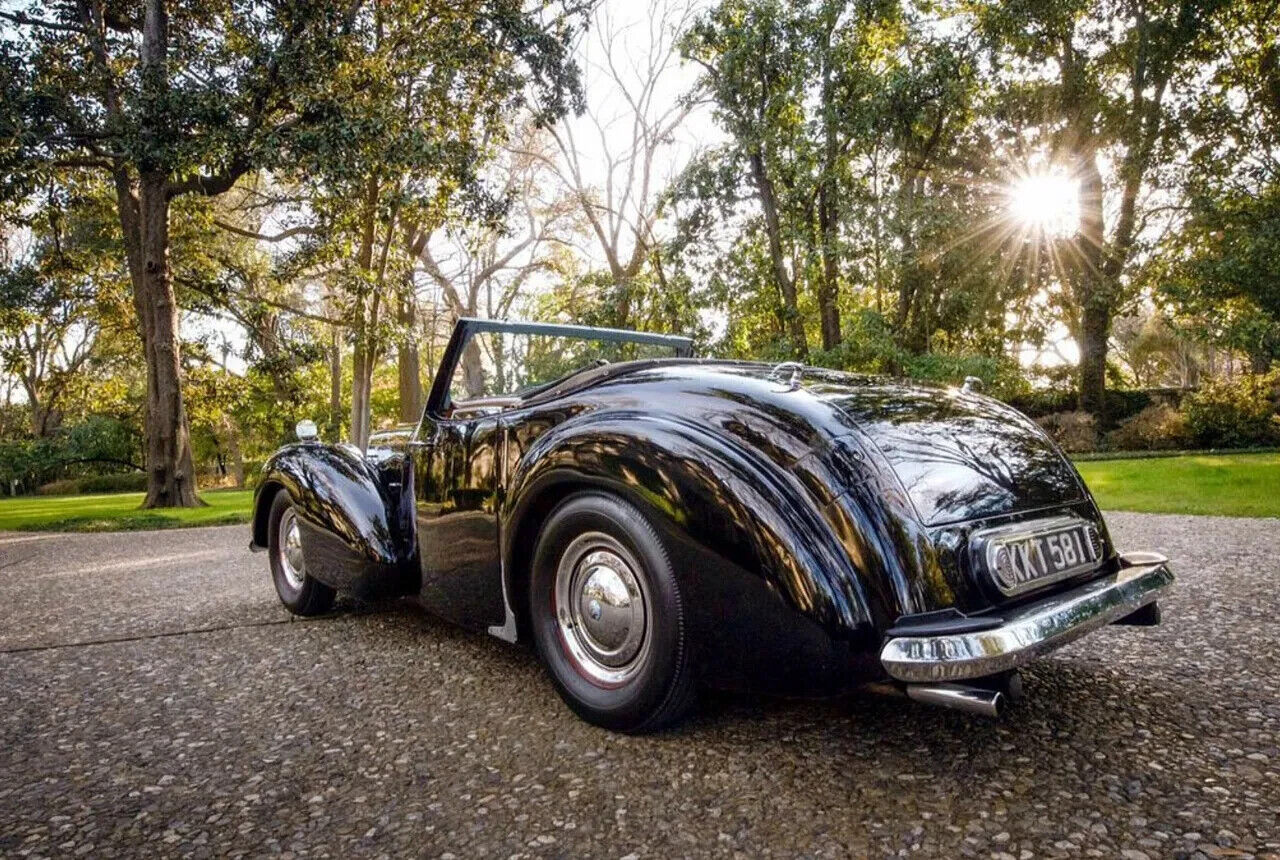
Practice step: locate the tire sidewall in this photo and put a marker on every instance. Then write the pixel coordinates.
(292, 598)
(628, 705)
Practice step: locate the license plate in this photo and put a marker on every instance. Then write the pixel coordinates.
(1030, 555)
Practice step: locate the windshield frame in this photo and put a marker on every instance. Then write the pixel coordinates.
(439, 401)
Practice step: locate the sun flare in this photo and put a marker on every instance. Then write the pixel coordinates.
(1047, 202)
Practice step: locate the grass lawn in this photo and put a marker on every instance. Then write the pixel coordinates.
(1238, 485)
(119, 512)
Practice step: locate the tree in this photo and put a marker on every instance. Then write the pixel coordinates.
(184, 97)
(426, 104)
(1223, 264)
(628, 137)
(480, 269)
(754, 62)
(223, 269)
(1106, 78)
(851, 144)
(57, 295)
(168, 99)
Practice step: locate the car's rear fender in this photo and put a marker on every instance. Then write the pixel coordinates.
(772, 594)
(356, 518)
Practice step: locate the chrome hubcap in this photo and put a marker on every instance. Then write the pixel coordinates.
(601, 609)
(291, 549)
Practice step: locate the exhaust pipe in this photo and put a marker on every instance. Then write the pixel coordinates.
(975, 700)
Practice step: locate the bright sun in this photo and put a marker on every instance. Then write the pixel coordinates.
(1047, 202)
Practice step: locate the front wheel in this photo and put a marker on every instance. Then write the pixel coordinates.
(608, 616)
(301, 593)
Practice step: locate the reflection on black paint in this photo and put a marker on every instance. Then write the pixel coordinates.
(457, 522)
(356, 535)
(959, 456)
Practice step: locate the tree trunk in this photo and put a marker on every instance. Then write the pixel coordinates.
(364, 324)
(828, 287)
(908, 317)
(828, 219)
(145, 223)
(170, 468)
(1095, 328)
(44, 419)
(624, 286)
(335, 385)
(361, 382)
(229, 437)
(409, 363)
(473, 370)
(786, 286)
(1093, 292)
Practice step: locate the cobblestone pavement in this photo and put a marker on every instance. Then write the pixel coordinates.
(155, 699)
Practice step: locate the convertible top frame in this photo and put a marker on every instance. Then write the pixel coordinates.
(438, 399)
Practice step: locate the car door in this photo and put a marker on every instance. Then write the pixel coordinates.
(457, 461)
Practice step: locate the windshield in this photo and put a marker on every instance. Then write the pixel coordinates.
(501, 364)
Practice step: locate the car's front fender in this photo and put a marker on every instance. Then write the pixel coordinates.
(356, 518)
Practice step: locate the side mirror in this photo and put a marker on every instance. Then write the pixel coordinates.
(306, 430)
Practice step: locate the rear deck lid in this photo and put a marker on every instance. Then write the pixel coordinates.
(960, 456)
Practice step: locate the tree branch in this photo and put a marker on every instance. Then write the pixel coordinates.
(84, 163)
(28, 21)
(211, 185)
(301, 230)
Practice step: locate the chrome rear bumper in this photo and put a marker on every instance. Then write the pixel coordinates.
(1031, 630)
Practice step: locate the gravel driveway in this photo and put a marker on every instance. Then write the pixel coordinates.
(154, 698)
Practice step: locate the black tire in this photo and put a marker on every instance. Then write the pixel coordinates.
(657, 688)
(310, 596)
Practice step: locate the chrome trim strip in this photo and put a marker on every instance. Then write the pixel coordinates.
(1030, 631)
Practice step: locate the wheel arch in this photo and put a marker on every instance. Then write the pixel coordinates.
(262, 502)
(518, 557)
(752, 550)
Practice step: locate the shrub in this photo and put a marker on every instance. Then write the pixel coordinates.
(1235, 413)
(870, 346)
(1122, 404)
(1001, 377)
(1073, 431)
(128, 482)
(1159, 427)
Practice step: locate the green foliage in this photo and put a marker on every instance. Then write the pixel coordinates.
(1235, 413)
(872, 347)
(276, 86)
(97, 445)
(99, 440)
(1221, 269)
(1121, 403)
(64, 319)
(1001, 376)
(861, 167)
(851, 171)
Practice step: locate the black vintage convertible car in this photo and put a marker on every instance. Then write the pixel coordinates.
(651, 521)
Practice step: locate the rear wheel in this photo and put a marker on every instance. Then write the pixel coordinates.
(301, 593)
(608, 617)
